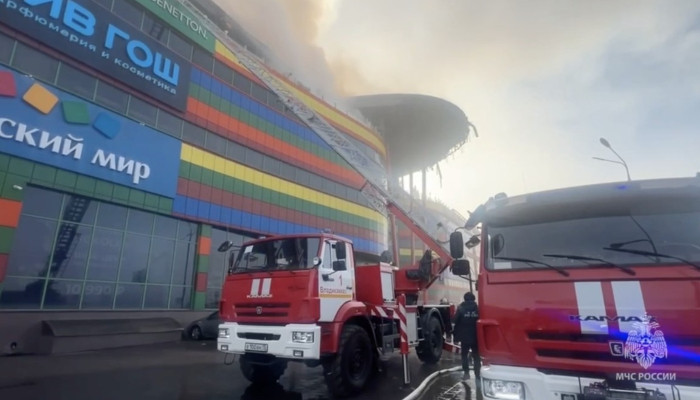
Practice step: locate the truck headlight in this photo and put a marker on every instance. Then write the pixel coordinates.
(223, 333)
(506, 390)
(302, 337)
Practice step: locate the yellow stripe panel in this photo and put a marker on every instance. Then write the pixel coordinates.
(337, 117)
(227, 167)
(228, 54)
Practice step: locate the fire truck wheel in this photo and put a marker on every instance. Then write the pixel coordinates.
(261, 374)
(430, 348)
(348, 372)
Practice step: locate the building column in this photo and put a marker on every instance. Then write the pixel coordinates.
(202, 265)
(11, 196)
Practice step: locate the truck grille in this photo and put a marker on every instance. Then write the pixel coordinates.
(258, 336)
(266, 310)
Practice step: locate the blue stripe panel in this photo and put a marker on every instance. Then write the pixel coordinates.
(233, 217)
(263, 111)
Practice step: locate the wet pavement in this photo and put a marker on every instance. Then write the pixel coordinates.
(195, 370)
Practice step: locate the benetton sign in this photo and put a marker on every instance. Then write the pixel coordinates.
(177, 16)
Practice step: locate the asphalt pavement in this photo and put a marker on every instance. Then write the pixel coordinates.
(195, 370)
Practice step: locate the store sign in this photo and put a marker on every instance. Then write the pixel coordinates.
(175, 15)
(51, 127)
(87, 32)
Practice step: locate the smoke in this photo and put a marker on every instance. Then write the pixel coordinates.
(289, 28)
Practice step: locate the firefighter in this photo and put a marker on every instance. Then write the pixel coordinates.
(465, 333)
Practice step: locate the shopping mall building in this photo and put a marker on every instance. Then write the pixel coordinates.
(132, 143)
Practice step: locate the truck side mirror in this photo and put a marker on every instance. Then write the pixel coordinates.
(461, 268)
(340, 251)
(225, 246)
(456, 245)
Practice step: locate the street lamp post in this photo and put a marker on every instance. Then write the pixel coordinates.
(622, 162)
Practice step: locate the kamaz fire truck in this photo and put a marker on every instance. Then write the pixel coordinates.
(305, 298)
(590, 292)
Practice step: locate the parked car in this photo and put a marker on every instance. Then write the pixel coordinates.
(205, 328)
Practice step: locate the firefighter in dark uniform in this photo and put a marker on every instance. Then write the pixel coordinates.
(465, 333)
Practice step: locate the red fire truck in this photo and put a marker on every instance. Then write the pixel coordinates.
(305, 298)
(590, 292)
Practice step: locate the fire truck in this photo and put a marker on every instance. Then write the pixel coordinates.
(305, 298)
(590, 292)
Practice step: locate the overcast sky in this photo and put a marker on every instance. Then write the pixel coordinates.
(542, 80)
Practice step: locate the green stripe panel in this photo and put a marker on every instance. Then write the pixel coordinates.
(247, 189)
(199, 300)
(24, 172)
(202, 263)
(263, 125)
(205, 230)
(6, 236)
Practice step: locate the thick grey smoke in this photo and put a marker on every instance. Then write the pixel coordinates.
(289, 28)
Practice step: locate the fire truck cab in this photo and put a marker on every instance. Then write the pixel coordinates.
(590, 292)
(303, 298)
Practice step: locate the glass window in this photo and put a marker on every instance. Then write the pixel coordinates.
(104, 3)
(41, 203)
(157, 296)
(169, 124)
(216, 143)
(193, 134)
(21, 293)
(155, 28)
(32, 247)
(129, 296)
(165, 226)
(223, 71)
(203, 58)
(142, 111)
(111, 216)
(98, 295)
(180, 297)
(253, 158)
(183, 265)
(186, 231)
(111, 97)
(62, 294)
(105, 254)
(35, 63)
(134, 262)
(235, 151)
(79, 209)
(160, 260)
(140, 222)
(259, 93)
(128, 12)
(242, 83)
(70, 254)
(180, 45)
(77, 82)
(7, 44)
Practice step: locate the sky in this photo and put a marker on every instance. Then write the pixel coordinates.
(542, 80)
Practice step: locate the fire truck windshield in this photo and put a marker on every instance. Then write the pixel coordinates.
(614, 241)
(283, 254)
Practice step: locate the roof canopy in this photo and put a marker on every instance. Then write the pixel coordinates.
(419, 130)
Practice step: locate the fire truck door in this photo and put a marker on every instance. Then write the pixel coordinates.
(336, 278)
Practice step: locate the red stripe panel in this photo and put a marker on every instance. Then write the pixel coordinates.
(9, 213)
(204, 247)
(194, 189)
(201, 282)
(3, 266)
(246, 135)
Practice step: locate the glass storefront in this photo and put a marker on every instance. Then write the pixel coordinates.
(71, 252)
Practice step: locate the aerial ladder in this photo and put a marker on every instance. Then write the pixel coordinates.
(382, 195)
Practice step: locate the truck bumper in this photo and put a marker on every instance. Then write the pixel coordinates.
(537, 385)
(271, 340)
